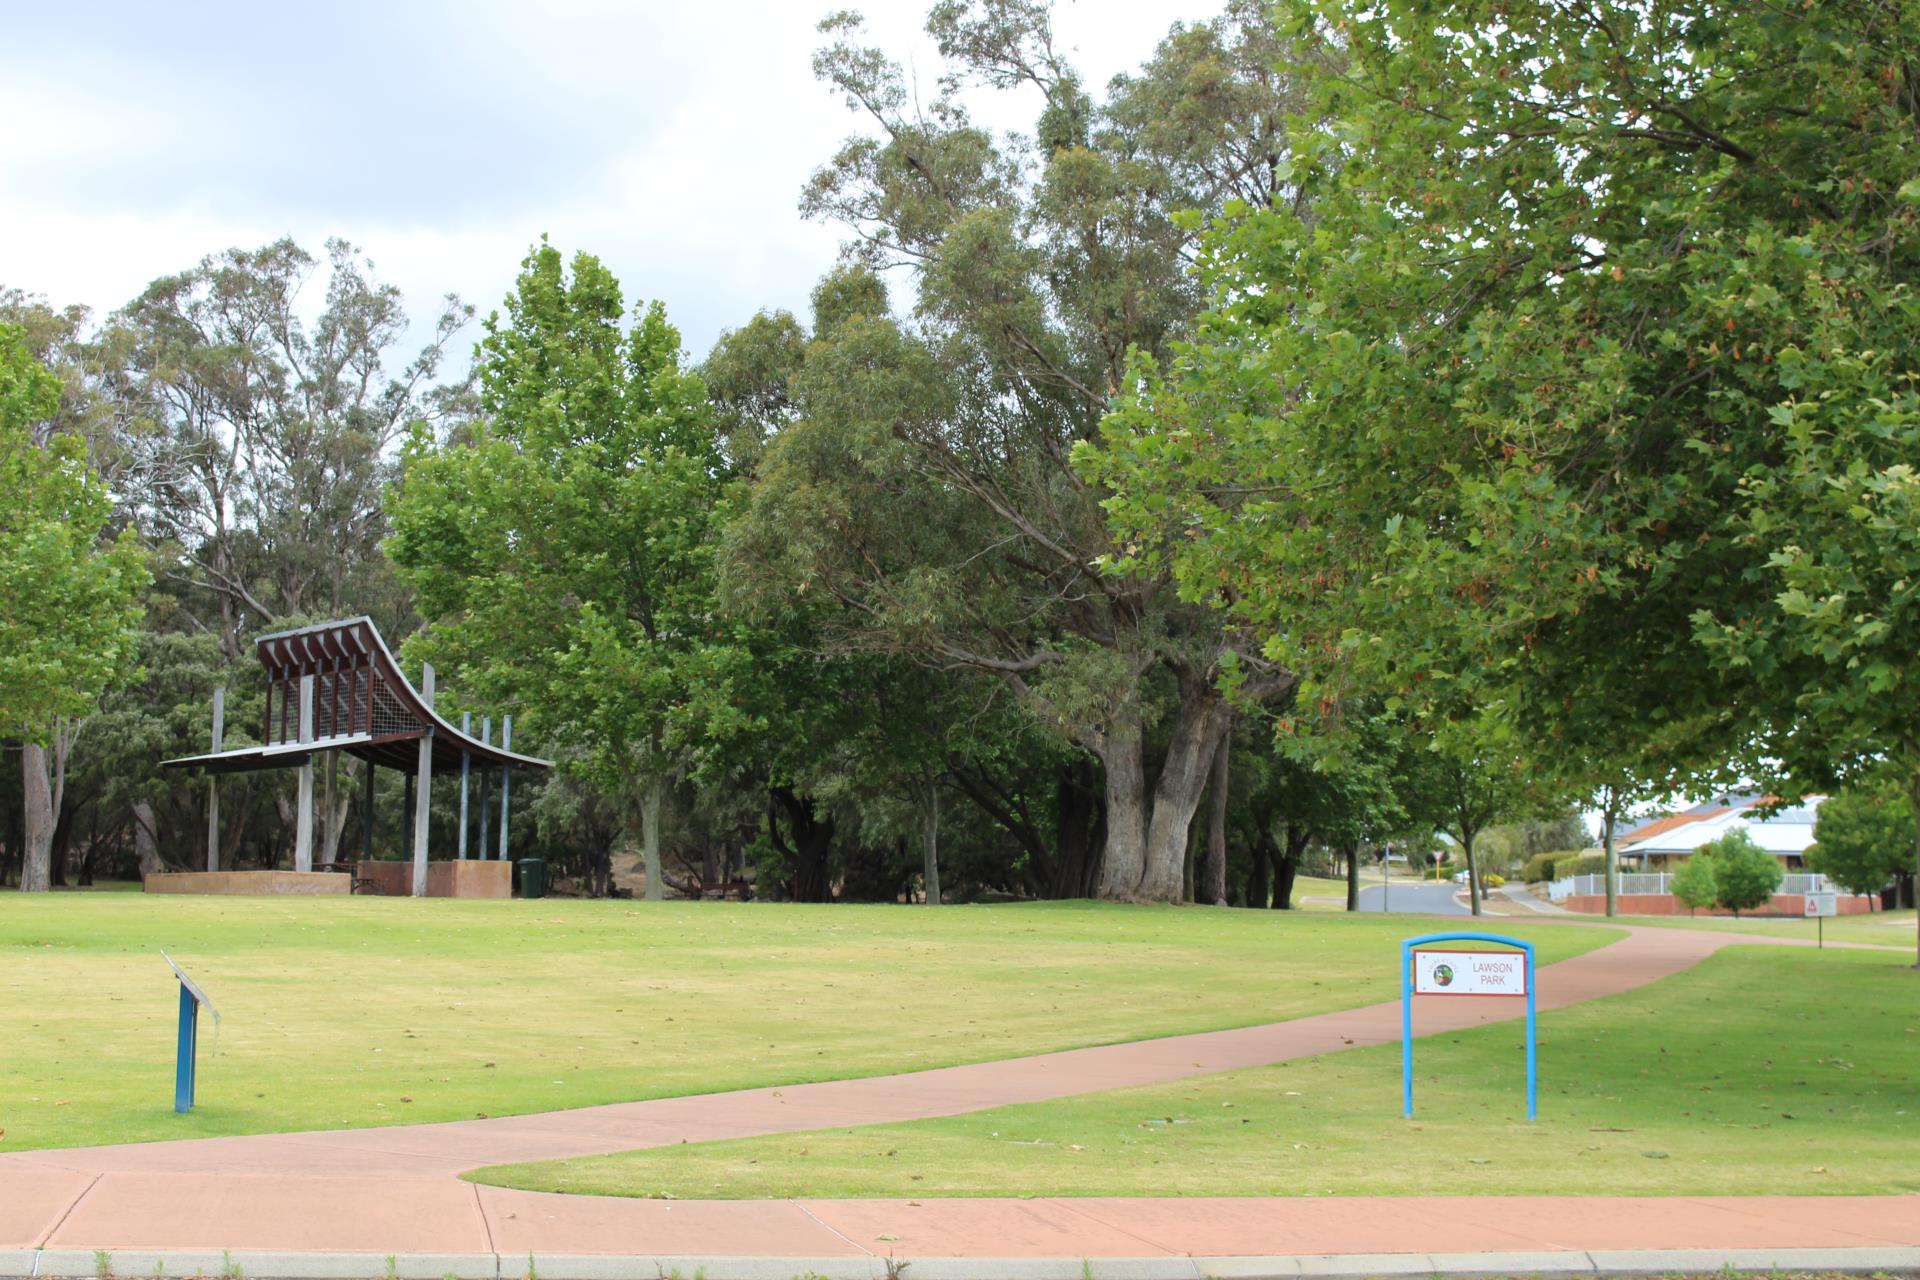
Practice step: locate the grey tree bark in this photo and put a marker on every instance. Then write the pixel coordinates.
(651, 796)
(1123, 865)
(36, 869)
(1214, 879)
(1913, 798)
(146, 839)
(1609, 817)
(930, 847)
(1473, 871)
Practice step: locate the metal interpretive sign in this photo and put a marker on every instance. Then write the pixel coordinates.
(1469, 973)
(1433, 970)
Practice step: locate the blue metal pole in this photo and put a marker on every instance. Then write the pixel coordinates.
(1406, 1028)
(1533, 1079)
(183, 1062)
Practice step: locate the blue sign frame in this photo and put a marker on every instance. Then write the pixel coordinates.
(185, 1051)
(1406, 1013)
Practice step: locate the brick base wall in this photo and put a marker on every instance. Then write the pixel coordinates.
(1665, 904)
(453, 879)
(296, 883)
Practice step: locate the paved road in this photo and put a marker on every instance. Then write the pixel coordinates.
(1407, 898)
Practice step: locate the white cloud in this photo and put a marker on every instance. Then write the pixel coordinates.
(672, 140)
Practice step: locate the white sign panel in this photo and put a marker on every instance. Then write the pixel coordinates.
(1821, 904)
(1469, 973)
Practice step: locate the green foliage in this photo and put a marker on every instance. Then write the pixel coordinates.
(69, 594)
(1864, 836)
(1543, 867)
(1589, 322)
(1694, 883)
(1744, 875)
(564, 549)
(1577, 864)
(915, 473)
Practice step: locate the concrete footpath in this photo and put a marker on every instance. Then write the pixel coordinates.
(359, 1203)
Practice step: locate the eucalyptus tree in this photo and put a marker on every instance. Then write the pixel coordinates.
(922, 480)
(255, 427)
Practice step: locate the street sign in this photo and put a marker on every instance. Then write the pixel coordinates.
(1465, 973)
(1818, 906)
(1469, 973)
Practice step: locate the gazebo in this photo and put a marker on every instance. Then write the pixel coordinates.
(336, 687)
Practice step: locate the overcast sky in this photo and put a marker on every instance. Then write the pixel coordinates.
(671, 139)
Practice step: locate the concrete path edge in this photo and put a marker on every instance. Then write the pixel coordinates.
(72, 1264)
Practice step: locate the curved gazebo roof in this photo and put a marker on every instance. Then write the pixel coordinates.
(363, 704)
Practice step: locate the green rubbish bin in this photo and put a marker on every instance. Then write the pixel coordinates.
(532, 874)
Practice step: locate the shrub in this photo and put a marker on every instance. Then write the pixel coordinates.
(1744, 875)
(1580, 864)
(1693, 881)
(1552, 865)
(1493, 881)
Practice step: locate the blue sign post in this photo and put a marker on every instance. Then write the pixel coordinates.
(1465, 972)
(191, 998)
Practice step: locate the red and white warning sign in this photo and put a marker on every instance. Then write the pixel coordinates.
(1469, 973)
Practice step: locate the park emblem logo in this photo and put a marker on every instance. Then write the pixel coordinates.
(1443, 975)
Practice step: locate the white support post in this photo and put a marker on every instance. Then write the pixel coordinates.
(466, 769)
(213, 779)
(303, 807)
(506, 781)
(423, 787)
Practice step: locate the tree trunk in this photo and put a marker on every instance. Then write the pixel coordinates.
(36, 868)
(1264, 854)
(146, 840)
(1298, 837)
(1607, 819)
(1913, 799)
(650, 799)
(1353, 879)
(1079, 831)
(1214, 881)
(1123, 862)
(1176, 797)
(1187, 860)
(1473, 871)
(930, 872)
(807, 854)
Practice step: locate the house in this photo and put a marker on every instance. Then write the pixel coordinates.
(1664, 843)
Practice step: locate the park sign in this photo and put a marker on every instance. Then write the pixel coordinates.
(1469, 973)
(1431, 970)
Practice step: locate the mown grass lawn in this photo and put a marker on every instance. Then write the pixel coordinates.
(1762, 1070)
(1881, 928)
(340, 1013)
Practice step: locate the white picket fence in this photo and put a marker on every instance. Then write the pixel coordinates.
(1660, 882)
